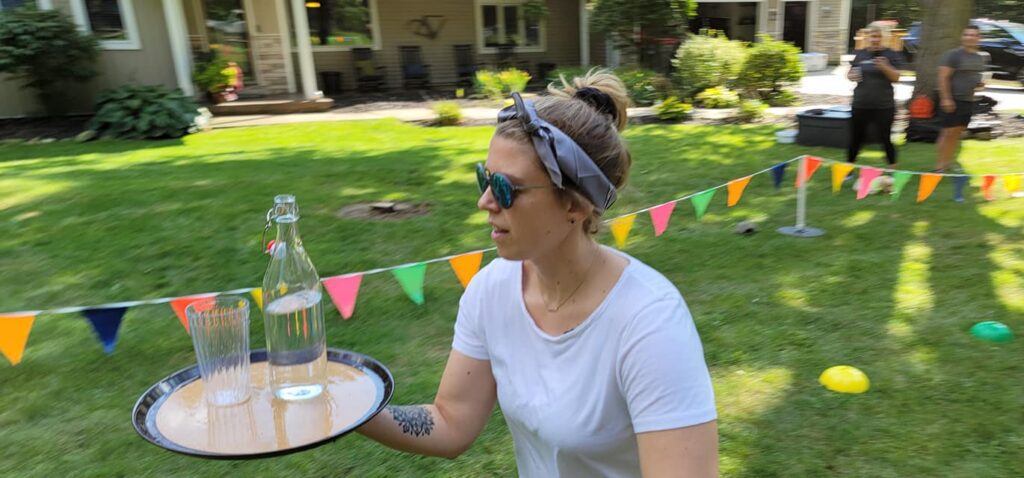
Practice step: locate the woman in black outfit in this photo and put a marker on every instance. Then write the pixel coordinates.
(875, 69)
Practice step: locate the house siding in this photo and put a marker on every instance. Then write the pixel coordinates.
(562, 43)
(150, 65)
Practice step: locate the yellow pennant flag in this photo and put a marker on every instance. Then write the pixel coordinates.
(620, 229)
(257, 296)
(928, 183)
(1012, 183)
(466, 266)
(14, 331)
(839, 173)
(736, 187)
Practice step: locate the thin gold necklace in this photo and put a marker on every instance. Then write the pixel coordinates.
(560, 304)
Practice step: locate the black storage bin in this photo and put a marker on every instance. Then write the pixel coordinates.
(331, 81)
(829, 127)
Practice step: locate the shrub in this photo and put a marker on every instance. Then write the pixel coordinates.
(751, 110)
(718, 97)
(447, 113)
(782, 98)
(672, 109)
(498, 85)
(213, 76)
(42, 48)
(770, 66)
(644, 87)
(143, 111)
(706, 61)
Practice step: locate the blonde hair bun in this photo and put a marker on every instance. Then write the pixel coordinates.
(601, 80)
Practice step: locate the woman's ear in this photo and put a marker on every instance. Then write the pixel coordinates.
(579, 208)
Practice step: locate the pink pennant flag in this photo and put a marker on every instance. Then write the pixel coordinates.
(660, 216)
(343, 291)
(867, 176)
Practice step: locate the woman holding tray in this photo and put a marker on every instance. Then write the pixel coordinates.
(592, 355)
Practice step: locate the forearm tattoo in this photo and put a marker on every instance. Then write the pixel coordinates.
(415, 420)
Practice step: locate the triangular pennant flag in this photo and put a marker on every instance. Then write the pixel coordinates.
(1012, 183)
(867, 176)
(986, 186)
(179, 305)
(927, 185)
(899, 181)
(411, 279)
(811, 165)
(466, 266)
(736, 187)
(778, 173)
(343, 291)
(701, 201)
(14, 331)
(839, 173)
(257, 297)
(620, 229)
(660, 216)
(106, 322)
(959, 182)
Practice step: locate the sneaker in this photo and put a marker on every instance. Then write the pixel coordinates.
(959, 200)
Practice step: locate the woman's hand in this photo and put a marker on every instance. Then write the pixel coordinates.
(948, 105)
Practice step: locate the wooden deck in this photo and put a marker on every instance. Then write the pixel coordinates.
(272, 105)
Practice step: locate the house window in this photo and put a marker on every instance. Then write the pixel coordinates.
(111, 21)
(506, 22)
(9, 4)
(342, 23)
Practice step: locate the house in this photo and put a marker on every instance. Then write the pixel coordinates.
(814, 26)
(159, 41)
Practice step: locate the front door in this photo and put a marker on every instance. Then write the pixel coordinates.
(227, 32)
(795, 24)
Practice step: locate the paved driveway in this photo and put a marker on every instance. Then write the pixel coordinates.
(833, 82)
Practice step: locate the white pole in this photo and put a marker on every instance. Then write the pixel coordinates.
(801, 195)
(307, 74)
(181, 54)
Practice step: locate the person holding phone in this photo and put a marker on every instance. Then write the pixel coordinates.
(960, 74)
(875, 69)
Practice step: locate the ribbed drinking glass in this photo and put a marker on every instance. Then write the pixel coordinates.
(220, 334)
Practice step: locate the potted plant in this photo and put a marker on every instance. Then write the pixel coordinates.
(214, 78)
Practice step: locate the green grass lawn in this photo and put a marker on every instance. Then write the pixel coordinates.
(892, 289)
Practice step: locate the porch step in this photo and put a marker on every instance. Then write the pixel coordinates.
(272, 106)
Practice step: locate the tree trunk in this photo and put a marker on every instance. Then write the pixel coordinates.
(941, 26)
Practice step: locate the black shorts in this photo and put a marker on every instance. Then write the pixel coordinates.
(959, 117)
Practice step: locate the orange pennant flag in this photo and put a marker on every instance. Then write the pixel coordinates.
(811, 165)
(927, 186)
(14, 331)
(986, 186)
(736, 187)
(179, 305)
(466, 266)
(1012, 183)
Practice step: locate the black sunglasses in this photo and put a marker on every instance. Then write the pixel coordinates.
(501, 187)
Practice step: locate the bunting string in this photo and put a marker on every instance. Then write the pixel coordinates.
(343, 289)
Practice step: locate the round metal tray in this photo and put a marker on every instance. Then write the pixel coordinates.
(173, 414)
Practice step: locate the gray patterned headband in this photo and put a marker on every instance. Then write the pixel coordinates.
(561, 155)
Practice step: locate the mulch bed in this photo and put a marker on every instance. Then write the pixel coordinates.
(42, 128)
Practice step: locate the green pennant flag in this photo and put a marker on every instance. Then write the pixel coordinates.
(701, 201)
(411, 279)
(899, 180)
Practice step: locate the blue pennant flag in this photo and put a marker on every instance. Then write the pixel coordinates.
(106, 322)
(959, 183)
(778, 171)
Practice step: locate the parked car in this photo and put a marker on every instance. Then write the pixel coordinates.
(1003, 41)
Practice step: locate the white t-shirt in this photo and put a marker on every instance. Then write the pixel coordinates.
(575, 402)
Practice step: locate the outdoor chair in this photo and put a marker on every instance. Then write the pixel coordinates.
(465, 66)
(368, 74)
(506, 58)
(414, 71)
